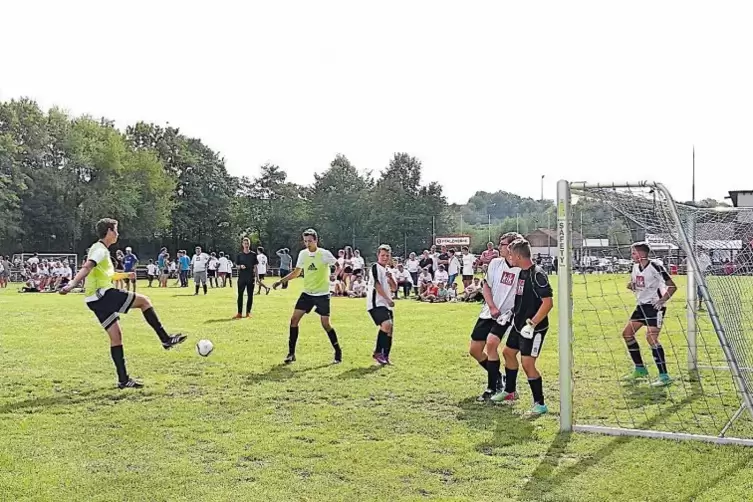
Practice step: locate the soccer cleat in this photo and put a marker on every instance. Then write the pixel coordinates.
(662, 381)
(636, 374)
(538, 409)
(237, 316)
(289, 359)
(504, 397)
(338, 356)
(130, 384)
(380, 359)
(248, 316)
(173, 341)
(485, 396)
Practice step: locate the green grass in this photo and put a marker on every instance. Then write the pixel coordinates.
(238, 426)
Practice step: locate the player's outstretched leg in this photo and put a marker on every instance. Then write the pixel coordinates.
(628, 334)
(293, 339)
(510, 355)
(116, 351)
(142, 302)
(332, 339)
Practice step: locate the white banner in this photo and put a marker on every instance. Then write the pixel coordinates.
(453, 240)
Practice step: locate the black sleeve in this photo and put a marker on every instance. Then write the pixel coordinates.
(541, 284)
(375, 273)
(662, 271)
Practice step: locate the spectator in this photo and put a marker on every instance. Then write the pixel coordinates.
(130, 262)
(185, 266)
(152, 271)
(403, 280)
(286, 262)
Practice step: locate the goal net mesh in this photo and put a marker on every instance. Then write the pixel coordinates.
(705, 393)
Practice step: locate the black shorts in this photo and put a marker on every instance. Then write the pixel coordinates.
(381, 314)
(262, 276)
(348, 270)
(358, 271)
(527, 347)
(112, 303)
(212, 273)
(484, 327)
(284, 272)
(467, 277)
(648, 315)
(308, 302)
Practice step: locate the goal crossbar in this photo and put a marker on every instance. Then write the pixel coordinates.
(696, 283)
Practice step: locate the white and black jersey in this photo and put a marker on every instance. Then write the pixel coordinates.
(649, 283)
(503, 280)
(377, 274)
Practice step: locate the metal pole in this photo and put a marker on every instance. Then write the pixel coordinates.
(549, 240)
(542, 187)
(565, 305)
(489, 226)
(692, 307)
(517, 222)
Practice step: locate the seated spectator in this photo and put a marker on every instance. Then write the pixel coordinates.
(424, 281)
(335, 286)
(404, 280)
(358, 287)
(442, 293)
(473, 291)
(441, 275)
(430, 294)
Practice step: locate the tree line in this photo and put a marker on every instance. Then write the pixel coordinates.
(59, 174)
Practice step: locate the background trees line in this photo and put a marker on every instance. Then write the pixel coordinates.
(59, 174)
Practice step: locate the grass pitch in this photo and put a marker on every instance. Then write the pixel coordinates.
(240, 426)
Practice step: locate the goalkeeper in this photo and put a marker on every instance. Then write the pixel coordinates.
(533, 302)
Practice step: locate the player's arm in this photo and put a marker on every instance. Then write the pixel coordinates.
(378, 285)
(544, 291)
(486, 291)
(86, 268)
(671, 286)
(292, 275)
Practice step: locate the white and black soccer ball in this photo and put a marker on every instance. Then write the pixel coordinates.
(204, 347)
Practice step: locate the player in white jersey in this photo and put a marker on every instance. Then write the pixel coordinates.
(261, 267)
(496, 315)
(653, 287)
(199, 264)
(379, 303)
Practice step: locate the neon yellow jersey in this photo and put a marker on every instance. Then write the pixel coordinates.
(316, 270)
(101, 275)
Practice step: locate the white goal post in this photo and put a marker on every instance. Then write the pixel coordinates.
(706, 398)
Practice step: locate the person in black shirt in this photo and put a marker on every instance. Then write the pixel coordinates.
(427, 263)
(247, 273)
(533, 302)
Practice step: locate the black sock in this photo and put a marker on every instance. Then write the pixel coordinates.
(483, 363)
(493, 376)
(388, 345)
(380, 342)
(537, 389)
(205, 289)
(151, 317)
(635, 352)
(293, 339)
(333, 339)
(197, 289)
(511, 379)
(117, 357)
(661, 363)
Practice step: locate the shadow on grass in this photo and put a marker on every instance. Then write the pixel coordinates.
(547, 477)
(279, 373)
(359, 372)
(216, 321)
(57, 400)
(509, 428)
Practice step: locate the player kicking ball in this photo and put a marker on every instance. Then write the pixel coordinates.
(314, 262)
(108, 303)
(653, 287)
(533, 302)
(496, 315)
(379, 303)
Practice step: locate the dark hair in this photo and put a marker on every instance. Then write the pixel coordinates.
(349, 252)
(464, 247)
(642, 246)
(260, 250)
(311, 233)
(510, 236)
(103, 226)
(521, 247)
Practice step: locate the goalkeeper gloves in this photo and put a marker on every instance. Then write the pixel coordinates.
(527, 331)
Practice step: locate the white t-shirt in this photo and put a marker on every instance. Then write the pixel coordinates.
(650, 283)
(424, 278)
(223, 265)
(213, 263)
(359, 287)
(503, 280)
(412, 266)
(441, 276)
(66, 272)
(333, 286)
(152, 269)
(262, 261)
(200, 262)
(468, 260)
(403, 276)
(358, 263)
(454, 266)
(377, 274)
(33, 261)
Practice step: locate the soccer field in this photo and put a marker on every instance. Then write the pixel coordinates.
(239, 426)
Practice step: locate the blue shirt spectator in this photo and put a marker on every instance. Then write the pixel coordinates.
(185, 262)
(129, 261)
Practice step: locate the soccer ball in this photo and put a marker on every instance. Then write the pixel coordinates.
(204, 347)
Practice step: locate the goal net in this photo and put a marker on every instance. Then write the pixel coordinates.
(706, 331)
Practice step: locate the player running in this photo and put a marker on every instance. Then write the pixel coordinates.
(653, 287)
(314, 262)
(533, 302)
(108, 303)
(496, 315)
(379, 303)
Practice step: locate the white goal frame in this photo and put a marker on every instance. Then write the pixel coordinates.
(565, 317)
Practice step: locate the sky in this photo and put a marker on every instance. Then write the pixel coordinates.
(488, 95)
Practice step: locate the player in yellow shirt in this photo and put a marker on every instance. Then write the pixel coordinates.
(314, 262)
(108, 303)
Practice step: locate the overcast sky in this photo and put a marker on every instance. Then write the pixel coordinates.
(489, 95)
